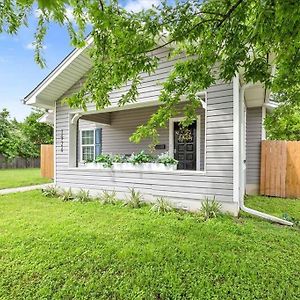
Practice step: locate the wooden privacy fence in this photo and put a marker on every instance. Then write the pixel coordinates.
(19, 163)
(47, 161)
(280, 169)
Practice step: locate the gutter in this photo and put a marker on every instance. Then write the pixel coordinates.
(270, 105)
(241, 199)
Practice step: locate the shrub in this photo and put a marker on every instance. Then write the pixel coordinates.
(66, 195)
(166, 159)
(162, 205)
(140, 158)
(210, 209)
(134, 200)
(83, 196)
(118, 158)
(108, 197)
(50, 191)
(105, 159)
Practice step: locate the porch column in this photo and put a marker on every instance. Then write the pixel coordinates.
(73, 139)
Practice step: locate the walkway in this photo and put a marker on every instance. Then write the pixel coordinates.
(24, 188)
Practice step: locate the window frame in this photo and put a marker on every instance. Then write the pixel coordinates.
(87, 145)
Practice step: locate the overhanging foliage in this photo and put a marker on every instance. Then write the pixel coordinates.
(247, 36)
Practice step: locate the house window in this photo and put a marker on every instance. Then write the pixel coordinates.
(91, 144)
(88, 145)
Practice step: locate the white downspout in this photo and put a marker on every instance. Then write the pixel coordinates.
(241, 202)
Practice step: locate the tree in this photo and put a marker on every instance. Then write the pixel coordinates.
(247, 35)
(8, 147)
(283, 123)
(23, 139)
(36, 132)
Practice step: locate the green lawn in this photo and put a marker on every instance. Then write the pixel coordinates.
(275, 206)
(20, 177)
(51, 249)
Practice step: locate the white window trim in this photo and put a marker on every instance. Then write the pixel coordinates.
(198, 139)
(89, 145)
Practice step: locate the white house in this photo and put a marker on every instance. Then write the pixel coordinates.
(221, 160)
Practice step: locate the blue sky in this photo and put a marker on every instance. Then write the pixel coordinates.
(19, 74)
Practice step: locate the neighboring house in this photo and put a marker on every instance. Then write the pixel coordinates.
(223, 159)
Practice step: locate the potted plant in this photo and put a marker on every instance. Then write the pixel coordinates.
(119, 162)
(141, 161)
(103, 161)
(166, 163)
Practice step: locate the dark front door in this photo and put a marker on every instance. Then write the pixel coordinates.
(185, 146)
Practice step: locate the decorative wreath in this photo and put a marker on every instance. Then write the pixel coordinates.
(184, 135)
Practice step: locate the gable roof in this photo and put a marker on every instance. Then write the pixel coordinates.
(71, 69)
(78, 63)
(62, 78)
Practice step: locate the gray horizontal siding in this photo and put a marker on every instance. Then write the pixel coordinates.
(253, 144)
(216, 181)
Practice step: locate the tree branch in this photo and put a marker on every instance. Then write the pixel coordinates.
(229, 13)
(225, 17)
(185, 33)
(102, 5)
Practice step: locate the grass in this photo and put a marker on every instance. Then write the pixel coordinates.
(275, 206)
(51, 249)
(12, 178)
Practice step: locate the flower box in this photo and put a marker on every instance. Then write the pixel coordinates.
(94, 165)
(136, 162)
(123, 166)
(143, 167)
(163, 167)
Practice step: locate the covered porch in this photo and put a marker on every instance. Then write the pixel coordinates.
(108, 133)
(207, 173)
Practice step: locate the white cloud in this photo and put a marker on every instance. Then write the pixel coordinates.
(138, 5)
(31, 46)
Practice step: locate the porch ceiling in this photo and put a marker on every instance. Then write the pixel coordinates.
(101, 118)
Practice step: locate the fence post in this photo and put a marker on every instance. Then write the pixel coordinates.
(47, 161)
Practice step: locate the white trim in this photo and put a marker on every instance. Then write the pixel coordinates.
(75, 118)
(263, 129)
(198, 136)
(72, 136)
(243, 136)
(171, 172)
(88, 145)
(54, 143)
(205, 133)
(47, 117)
(31, 98)
(236, 139)
(198, 143)
(115, 107)
(270, 105)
